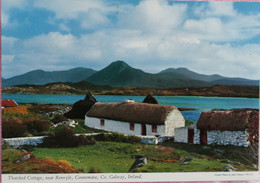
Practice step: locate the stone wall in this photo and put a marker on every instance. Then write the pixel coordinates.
(16, 142)
(196, 139)
(236, 138)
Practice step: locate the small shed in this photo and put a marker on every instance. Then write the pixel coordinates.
(133, 118)
(9, 103)
(238, 127)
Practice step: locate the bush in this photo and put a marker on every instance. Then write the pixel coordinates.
(93, 170)
(58, 118)
(66, 138)
(117, 137)
(13, 127)
(16, 110)
(37, 124)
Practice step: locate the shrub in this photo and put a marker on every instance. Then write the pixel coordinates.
(117, 137)
(66, 138)
(13, 127)
(90, 140)
(16, 110)
(37, 124)
(94, 170)
(58, 118)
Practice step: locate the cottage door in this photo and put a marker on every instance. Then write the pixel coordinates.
(203, 137)
(143, 129)
(190, 135)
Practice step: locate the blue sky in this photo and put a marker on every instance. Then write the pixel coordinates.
(206, 37)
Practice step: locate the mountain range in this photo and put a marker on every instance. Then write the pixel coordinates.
(120, 74)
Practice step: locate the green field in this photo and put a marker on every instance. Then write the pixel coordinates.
(115, 157)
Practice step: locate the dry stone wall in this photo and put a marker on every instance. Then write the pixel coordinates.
(236, 138)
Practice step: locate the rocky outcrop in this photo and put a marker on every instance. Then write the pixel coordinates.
(149, 99)
(81, 107)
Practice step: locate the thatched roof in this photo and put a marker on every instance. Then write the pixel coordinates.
(132, 112)
(232, 120)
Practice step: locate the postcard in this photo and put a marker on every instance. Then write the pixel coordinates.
(129, 91)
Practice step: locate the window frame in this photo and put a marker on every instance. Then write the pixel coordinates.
(154, 128)
(132, 126)
(102, 122)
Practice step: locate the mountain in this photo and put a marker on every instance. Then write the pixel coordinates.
(120, 74)
(194, 75)
(40, 77)
(212, 79)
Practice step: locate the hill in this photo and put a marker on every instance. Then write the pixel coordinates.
(40, 77)
(120, 74)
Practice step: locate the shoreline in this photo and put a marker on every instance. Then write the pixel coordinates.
(213, 91)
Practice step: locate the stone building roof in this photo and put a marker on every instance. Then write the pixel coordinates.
(132, 112)
(232, 120)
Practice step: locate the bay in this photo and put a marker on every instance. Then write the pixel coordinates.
(199, 103)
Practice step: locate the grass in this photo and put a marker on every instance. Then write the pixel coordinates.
(33, 165)
(114, 157)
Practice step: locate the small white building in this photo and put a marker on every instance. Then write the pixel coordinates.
(132, 118)
(222, 127)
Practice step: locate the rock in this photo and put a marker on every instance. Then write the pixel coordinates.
(81, 107)
(150, 100)
(138, 163)
(184, 163)
(24, 158)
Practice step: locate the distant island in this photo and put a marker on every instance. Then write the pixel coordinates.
(81, 88)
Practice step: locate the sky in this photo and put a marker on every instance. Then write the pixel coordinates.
(152, 35)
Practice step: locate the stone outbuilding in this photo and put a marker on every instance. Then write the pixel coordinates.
(133, 118)
(238, 127)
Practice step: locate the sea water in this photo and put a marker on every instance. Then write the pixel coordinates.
(199, 103)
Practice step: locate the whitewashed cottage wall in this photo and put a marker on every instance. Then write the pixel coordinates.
(122, 127)
(174, 120)
(181, 135)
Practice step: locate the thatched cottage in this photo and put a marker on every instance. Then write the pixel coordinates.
(236, 127)
(132, 118)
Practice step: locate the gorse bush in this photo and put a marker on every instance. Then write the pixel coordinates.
(13, 127)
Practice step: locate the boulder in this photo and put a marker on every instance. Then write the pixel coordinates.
(81, 107)
(150, 100)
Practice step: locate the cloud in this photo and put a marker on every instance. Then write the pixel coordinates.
(7, 6)
(215, 8)
(90, 13)
(155, 16)
(153, 35)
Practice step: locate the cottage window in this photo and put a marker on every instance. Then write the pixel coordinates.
(102, 122)
(132, 126)
(154, 128)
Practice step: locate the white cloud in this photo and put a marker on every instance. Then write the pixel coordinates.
(215, 8)
(155, 16)
(152, 36)
(90, 13)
